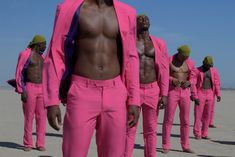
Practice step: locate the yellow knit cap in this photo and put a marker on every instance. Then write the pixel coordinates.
(37, 39)
(185, 50)
(208, 60)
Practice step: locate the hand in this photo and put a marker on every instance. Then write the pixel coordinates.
(162, 102)
(54, 117)
(218, 98)
(24, 97)
(133, 115)
(176, 82)
(185, 84)
(197, 102)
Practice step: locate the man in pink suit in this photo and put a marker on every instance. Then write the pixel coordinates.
(93, 67)
(205, 84)
(181, 67)
(212, 117)
(154, 79)
(29, 85)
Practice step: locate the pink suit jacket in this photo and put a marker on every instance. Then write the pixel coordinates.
(190, 65)
(57, 60)
(22, 65)
(161, 64)
(22, 60)
(198, 76)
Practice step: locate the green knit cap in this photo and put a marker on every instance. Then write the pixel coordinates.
(141, 15)
(184, 50)
(208, 60)
(37, 39)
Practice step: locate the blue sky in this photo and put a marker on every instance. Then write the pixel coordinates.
(207, 26)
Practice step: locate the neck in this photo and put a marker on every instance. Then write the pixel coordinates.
(102, 2)
(36, 50)
(143, 35)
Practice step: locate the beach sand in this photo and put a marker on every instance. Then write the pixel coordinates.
(222, 143)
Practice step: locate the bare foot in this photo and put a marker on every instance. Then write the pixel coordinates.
(188, 150)
(41, 149)
(27, 149)
(165, 151)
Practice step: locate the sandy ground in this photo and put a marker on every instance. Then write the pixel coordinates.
(222, 143)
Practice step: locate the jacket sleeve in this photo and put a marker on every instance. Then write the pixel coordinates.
(193, 80)
(132, 67)
(163, 76)
(217, 83)
(20, 87)
(54, 65)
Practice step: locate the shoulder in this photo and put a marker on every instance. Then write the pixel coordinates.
(130, 11)
(25, 52)
(214, 70)
(126, 7)
(159, 41)
(190, 61)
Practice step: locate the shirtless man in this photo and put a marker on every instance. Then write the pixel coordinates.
(205, 85)
(29, 85)
(93, 52)
(154, 79)
(181, 67)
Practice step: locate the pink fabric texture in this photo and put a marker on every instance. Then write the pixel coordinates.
(206, 97)
(55, 60)
(202, 113)
(22, 59)
(197, 81)
(34, 106)
(96, 105)
(161, 64)
(178, 97)
(212, 118)
(149, 96)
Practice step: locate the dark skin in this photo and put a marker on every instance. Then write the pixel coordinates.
(146, 54)
(207, 82)
(179, 71)
(98, 51)
(34, 70)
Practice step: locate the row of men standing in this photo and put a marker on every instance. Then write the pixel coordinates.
(93, 67)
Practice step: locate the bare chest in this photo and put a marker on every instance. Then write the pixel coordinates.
(146, 49)
(177, 68)
(35, 60)
(95, 22)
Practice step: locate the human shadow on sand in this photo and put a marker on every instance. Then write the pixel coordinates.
(172, 135)
(51, 135)
(11, 145)
(174, 124)
(224, 142)
(139, 146)
(210, 156)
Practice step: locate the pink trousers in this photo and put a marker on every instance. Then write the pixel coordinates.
(149, 94)
(181, 97)
(202, 112)
(212, 118)
(100, 105)
(34, 106)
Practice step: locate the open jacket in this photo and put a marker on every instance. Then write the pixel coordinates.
(57, 65)
(161, 64)
(198, 77)
(190, 65)
(22, 65)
